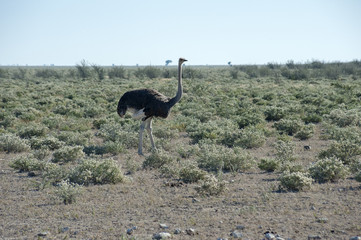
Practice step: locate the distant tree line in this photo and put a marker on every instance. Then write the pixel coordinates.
(289, 70)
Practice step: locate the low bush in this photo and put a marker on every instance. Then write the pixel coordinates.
(191, 174)
(213, 157)
(30, 131)
(344, 150)
(68, 154)
(343, 118)
(295, 181)
(92, 171)
(50, 143)
(249, 137)
(288, 126)
(358, 176)
(285, 151)
(305, 132)
(68, 192)
(157, 159)
(274, 113)
(351, 134)
(47, 73)
(249, 118)
(74, 138)
(112, 132)
(210, 186)
(328, 169)
(12, 143)
(117, 72)
(269, 165)
(53, 174)
(27, 163)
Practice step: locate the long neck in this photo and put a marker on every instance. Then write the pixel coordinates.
(178, 96)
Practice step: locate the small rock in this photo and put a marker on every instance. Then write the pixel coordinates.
(355, 238)
(43, 234)
(162, 235)
(190, 231)
(131, 230)
(313, 237)
(313, 208)
(322, 220)
(163, 226)
(270, 236)
(64, 229)
(194, 200)
(236, 234)
(240, 227)
(222, 238)
(307, 147)
(177, 231)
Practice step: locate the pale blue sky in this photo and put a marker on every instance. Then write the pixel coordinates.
(106, 32)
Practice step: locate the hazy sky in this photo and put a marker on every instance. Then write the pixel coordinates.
(120, 32)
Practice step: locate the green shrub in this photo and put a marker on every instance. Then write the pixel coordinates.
(345, 150)
(148, 71)
(269, 165)
(117, 72)
(12, 143)
(249, 137)
(68, 154)
(312, 118)
(99, 71)
(47, 73)
(343, 118)
(83, 70)
(295, 181)
(113, 147)
(6, 120)
(274, 113)
(210, 186)
(213, 157)
(53, 174)
(288, 126)
(358, 176)
(68, 192)
(32, 131)
(355, 166)
(305, 132)
(249, 118)
(91, 171)
(27, 164)
(191, 174)
(328, 169)
(285, 151)
(50, 143)
(74, 138)
(210, 131)
(41, 154)
(113, 132)
(157, 159)
(352, 134)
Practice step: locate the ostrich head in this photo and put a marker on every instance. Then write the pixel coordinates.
(182, 60)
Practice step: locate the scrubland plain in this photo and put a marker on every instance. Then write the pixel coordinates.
(253, 149)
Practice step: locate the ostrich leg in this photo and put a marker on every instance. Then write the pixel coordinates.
(140, 145)
(148, 126)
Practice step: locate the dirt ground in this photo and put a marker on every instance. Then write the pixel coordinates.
(252, 203)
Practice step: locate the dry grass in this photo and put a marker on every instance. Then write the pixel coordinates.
(252, 200)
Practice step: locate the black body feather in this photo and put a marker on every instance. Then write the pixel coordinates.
(154, 103)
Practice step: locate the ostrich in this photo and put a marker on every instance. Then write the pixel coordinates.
(145, 104)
